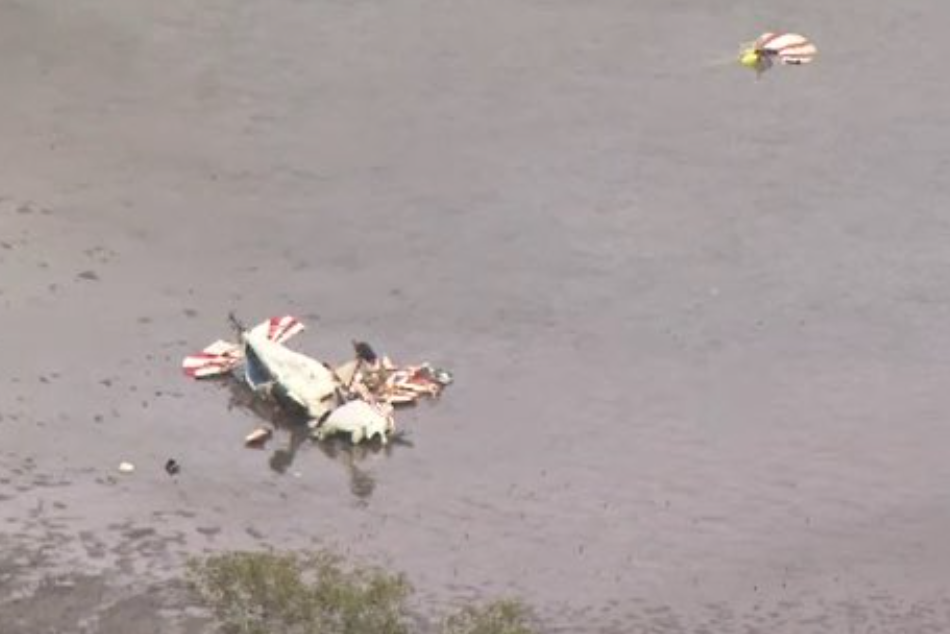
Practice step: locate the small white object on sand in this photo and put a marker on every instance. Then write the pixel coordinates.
(126, 467)
(258, 437)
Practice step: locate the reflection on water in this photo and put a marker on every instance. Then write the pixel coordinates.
(291, 432)
(362, 482)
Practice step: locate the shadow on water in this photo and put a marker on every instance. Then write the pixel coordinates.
(290, 428)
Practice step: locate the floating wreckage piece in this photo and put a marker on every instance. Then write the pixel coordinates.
(126, 467)
(258, 437)
(219, 358)
(377, 378)
(362, 420)
(790, 49)
(402, 386)
(355, 398)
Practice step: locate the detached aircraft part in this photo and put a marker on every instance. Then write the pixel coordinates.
(790, 49)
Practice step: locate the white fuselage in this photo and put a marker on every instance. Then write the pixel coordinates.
(301, 379)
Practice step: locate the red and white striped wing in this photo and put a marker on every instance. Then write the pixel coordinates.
(787, 48)
(280, 329)
(222, 357)
(219, 358)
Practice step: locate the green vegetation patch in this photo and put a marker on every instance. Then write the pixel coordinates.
(312, 593)
(319, 593)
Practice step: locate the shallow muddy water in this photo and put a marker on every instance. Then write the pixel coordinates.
(698, 322)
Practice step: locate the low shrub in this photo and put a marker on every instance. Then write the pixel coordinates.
(312, 593)
(499, 617)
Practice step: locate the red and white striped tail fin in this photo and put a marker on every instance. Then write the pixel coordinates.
(219, 358)
(280, 329)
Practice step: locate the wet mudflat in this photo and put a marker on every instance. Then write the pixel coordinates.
(697, 321)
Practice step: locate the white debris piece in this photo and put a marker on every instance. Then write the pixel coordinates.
(258, 437)
(272, 366)
(360, 419)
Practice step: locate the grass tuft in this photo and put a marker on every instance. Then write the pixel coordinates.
(311, 593)
(499, 617)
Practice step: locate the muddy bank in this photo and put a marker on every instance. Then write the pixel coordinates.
(697, 321)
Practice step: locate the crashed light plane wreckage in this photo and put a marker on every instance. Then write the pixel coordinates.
(356, 398)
